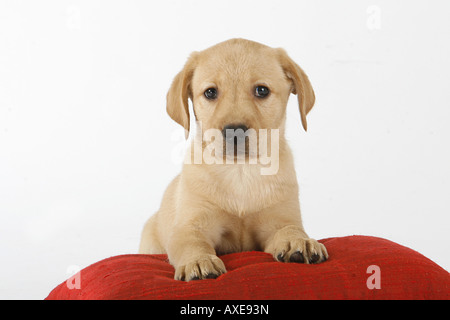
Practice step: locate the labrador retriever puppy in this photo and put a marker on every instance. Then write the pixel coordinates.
(215, 207)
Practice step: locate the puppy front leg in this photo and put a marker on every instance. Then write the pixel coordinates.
(193, 255)
(285, 237)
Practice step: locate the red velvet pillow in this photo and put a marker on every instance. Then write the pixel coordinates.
(359, 267)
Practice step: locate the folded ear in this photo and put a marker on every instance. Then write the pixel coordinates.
(179, 93)
(300, 85)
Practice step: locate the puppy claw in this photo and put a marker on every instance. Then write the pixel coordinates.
(202, 267)
(280, 256)
(297, 257)
(288, 245)
(314, 258)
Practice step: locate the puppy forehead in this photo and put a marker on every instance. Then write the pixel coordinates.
(238, 61)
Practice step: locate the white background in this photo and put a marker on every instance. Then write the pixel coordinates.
(86, 146)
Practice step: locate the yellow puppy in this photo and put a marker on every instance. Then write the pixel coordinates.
(228, 197)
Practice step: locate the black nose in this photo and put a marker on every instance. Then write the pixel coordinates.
(232, 131)
(235, 127)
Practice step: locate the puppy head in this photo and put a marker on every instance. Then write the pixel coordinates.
(239, 83)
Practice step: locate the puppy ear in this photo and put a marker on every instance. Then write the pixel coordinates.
(300, 85)
(180, 91)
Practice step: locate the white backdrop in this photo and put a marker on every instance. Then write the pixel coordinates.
(86, 145)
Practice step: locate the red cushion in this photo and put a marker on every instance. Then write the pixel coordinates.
(403, 274)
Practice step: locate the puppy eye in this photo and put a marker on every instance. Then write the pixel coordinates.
(210, 93)
(261, 91)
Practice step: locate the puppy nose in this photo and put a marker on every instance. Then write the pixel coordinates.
(234, 131)
(235, 127)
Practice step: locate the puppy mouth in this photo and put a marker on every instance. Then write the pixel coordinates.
(236, 148)
(236, 141)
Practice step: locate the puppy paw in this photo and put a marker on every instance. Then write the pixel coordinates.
(290, 245)
(205, 266)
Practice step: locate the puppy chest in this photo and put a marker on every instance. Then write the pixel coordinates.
(245, 193)
(236, 236)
